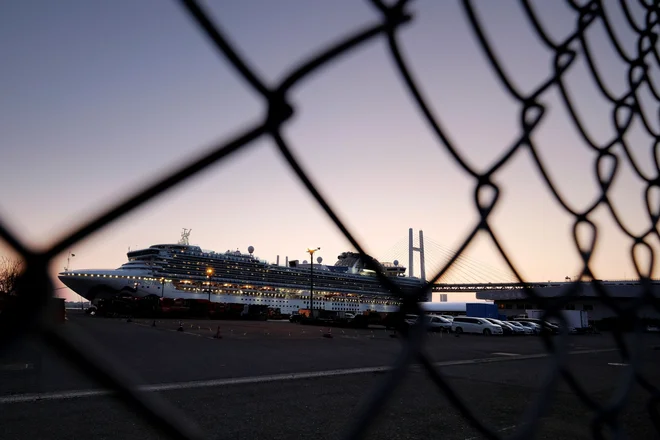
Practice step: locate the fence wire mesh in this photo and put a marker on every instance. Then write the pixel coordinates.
(35, 287)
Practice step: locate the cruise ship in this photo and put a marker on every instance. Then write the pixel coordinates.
(183, 271)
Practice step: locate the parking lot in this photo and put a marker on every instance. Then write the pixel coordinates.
(283, 380)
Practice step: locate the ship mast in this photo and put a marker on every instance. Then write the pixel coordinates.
(184, 237)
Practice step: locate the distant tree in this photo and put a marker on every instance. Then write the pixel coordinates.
(10, 270)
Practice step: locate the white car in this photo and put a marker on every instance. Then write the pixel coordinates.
(467, 324)
(437, 323)
(433, 323)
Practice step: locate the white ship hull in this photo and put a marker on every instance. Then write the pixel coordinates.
(95, 285)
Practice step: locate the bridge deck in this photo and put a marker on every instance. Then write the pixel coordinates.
(636, 285)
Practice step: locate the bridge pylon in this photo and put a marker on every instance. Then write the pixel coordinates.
(411, 249)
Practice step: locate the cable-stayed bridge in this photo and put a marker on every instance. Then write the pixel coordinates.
(425, 257)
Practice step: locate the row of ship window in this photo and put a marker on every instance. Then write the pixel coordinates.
(241, 292)
(342, 308)
(256, 268)
(182, 269)
(249, 290)
(129, 277)
(288, 280)
(203, 267)
(225, 256)
(281, 301)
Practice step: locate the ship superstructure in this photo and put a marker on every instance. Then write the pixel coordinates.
(185, 271)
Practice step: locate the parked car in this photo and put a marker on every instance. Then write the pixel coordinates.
(465, 324)
(295, 317)
(506, 329)
(533, 327)
(410, 319)
(432, 322)
(545, 325)
(437, 324)
(523, 330)
(514, 329)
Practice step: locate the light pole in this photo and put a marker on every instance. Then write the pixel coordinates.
(209, 272)
(68, 260)
(311, 279)
(162, 287)
(68, 267)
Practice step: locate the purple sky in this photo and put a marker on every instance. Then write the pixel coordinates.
(98, 98)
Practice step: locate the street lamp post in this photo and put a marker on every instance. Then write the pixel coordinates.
(209, 272)
(68, 261)
(162, 287)
(68, 268)
(311, 279)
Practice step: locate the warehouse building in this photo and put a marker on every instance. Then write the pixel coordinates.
(514, 301)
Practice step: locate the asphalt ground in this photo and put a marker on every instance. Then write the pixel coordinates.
(281, 380)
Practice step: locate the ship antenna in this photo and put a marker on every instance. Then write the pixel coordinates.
(184, 237)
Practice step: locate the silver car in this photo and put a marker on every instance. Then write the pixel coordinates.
(525, 330)
(533, 327)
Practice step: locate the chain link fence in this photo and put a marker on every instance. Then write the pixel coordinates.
(35, 286)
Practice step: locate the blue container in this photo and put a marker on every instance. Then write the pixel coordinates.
(481, 310)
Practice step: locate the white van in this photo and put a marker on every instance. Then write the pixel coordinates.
(465, 324)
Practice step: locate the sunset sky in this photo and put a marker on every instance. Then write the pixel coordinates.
(98, 98)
